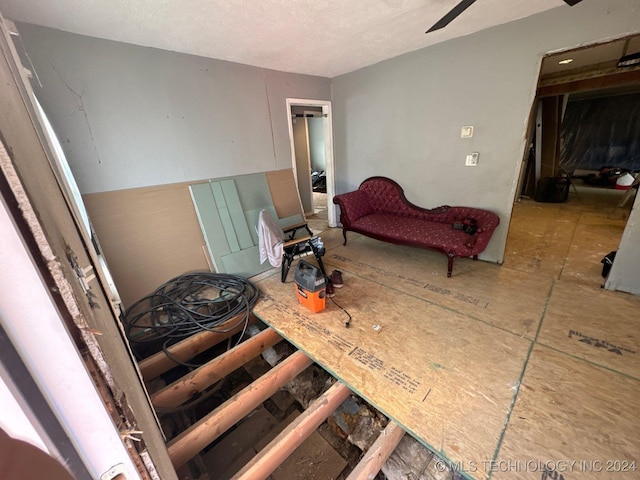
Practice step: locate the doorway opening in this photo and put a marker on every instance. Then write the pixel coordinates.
(568, 148)
(586, 114)
(311, 139)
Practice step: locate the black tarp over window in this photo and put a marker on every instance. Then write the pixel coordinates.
(601, 132)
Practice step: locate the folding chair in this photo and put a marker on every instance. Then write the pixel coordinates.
(281, 252)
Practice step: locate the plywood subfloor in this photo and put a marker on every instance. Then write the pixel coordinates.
(575, 417)
(594, 325)
(530, 361)
(480, 290)
(566, 239)
(412, 365)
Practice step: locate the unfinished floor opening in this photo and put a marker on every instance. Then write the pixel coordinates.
(262, 409)
(237, 400)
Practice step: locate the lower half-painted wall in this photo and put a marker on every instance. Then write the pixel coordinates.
(150, 235)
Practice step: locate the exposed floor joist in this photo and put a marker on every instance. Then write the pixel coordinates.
(208, 374)
(379, 452)
(193, 440)
(161, 362)
(263, 464)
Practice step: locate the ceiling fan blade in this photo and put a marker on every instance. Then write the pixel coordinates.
(571, 3)
(455, 11)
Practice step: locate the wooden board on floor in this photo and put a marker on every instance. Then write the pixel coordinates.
(445, 377)
(571, 411)
(423, 273)
(594, 324)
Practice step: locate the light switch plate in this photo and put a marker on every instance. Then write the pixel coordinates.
(466, 132)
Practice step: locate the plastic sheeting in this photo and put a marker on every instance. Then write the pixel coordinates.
(601, 132)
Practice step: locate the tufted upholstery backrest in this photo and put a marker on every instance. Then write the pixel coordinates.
(383, 195)
(387, 196)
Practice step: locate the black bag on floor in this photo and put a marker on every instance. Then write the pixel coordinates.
(607, 261)
(552, 190)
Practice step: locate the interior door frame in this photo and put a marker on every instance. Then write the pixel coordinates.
(328, 147)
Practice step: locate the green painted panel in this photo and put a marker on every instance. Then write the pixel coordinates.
(225, 216)
(245, 263)
(210, 223)
(228, 211)
(236, 213)
(253, 190)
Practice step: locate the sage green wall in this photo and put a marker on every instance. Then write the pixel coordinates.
(130, 116)
(401, 118)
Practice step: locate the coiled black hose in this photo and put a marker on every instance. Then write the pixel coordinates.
(186, 305)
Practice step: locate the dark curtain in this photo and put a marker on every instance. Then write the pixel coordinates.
(601, 132)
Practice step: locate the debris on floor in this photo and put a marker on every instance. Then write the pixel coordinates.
(359, 423)
(411, 460)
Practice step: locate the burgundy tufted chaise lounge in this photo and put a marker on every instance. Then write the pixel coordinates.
(380, 210)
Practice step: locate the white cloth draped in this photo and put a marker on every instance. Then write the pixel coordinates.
(270, 239)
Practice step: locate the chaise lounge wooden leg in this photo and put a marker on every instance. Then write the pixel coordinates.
(344, 234)
(449, 265)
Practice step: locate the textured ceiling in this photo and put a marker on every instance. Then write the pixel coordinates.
(315, 37)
